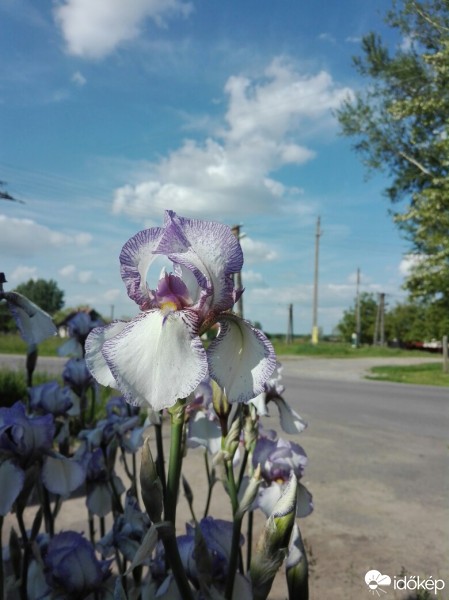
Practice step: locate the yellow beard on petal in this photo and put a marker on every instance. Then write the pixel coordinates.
(168, 307)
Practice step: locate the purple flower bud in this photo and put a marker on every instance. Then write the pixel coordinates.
(51, 398)
(77, 375)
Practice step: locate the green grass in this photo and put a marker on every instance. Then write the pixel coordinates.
(339, 350)
(423, 374)
(13, 385)
(11, 343)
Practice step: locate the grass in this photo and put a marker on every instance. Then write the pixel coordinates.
(11, 343)
(423, 374)
(13, 385)
(339, 350)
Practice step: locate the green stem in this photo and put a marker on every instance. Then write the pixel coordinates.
(210, 481)
(126, 467)
(175, 460)
(26, 554)
(171, 497)
(93, 402)
(160, 462)
(242, 468)
(2, 587)
(174, 559)
(232, 488)
(233, 559)
(102, 526)
(209, 497)
(48, 515)
(249, 539)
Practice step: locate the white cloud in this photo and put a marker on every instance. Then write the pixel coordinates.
(353, 39)
(67, 271)
(85, 276)
(408, 263)
(79, 79)
(232, 172)
(94, 28)
(327, 37)
(255, 251)
(22, 273)
(252, 277)
(82, 239)
(25, 237)
(111, 295)
(72, 273)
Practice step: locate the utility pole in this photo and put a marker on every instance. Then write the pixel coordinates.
(379, 328)
(289, 338)
(315, 284)
(238, 276)
(382, 319)
(358, 327)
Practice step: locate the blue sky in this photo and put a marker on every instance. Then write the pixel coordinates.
(112, 111)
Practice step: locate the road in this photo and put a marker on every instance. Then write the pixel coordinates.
(379, 472)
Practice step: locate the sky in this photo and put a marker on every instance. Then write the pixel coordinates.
(112, 112)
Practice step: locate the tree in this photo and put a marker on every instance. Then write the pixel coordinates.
(400, 123)
(368, 312)
(45, 293)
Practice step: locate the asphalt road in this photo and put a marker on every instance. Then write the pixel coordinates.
(417, 410)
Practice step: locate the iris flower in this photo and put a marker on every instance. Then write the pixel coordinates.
(290, 421)
(278, 459)
(158, 356)
(34, 324)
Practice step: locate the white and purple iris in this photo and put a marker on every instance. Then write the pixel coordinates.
(158, 356)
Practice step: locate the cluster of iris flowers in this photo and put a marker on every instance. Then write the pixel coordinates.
(213, 396)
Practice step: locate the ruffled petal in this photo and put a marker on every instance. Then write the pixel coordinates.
(34, 324)
(241, 359)
(291, 422)
(135, 260)
(157, 358)
(94, 358)
(210, 250)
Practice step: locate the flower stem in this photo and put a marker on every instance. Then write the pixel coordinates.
(235, 552)
(242, 468)
(1, 560)
(160, 463)
(175, 460)
(249, 539)
(171, 497)
(232, 488)
(211, 483)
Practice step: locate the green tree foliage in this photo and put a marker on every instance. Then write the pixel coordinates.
(400, 124)
(404, 322)
(368, 312)
(45, 293)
